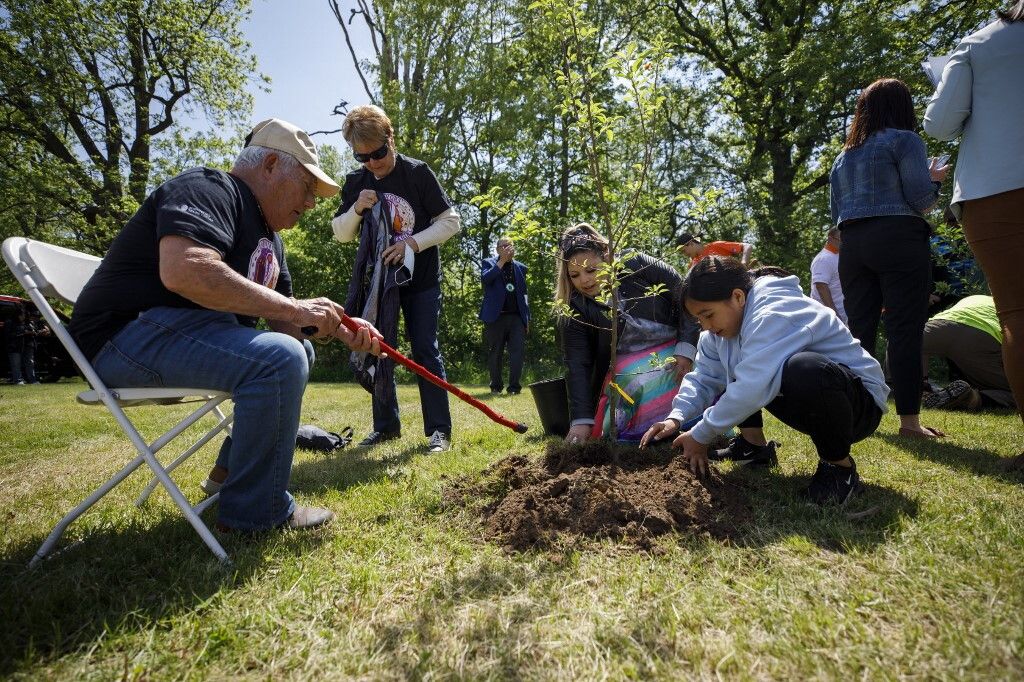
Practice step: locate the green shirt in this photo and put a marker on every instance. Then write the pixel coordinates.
(975, 311)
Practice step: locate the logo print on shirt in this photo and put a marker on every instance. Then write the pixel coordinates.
(263, 266)
(192, 210)
(403, 220)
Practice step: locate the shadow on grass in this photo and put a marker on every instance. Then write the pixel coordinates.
(780, 509)
(503, 613)
(349, 467)
(976, 460)
(107, 580)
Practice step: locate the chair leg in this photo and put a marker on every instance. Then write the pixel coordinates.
(185, 507)
(153, 482)
(202, 506)
(58, 531)
(220, 415)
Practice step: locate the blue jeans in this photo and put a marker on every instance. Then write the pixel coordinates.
(421, 310)
(266, 374)
(14, 362)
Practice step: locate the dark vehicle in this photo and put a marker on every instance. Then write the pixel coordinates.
(52, 360)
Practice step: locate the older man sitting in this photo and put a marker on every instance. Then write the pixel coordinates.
(178, 295)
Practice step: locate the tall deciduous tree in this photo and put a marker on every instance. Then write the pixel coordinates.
(89, 84)
(787, 72)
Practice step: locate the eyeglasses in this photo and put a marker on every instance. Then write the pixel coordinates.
(376, 154)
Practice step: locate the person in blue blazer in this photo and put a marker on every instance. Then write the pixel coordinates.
(505, 313)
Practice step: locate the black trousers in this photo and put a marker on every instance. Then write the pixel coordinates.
(826, 401)
(507, 330)
(885, 263)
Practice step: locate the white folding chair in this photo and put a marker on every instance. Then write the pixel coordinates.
(48, 271)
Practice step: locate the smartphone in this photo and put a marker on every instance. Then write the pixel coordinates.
(941, 160)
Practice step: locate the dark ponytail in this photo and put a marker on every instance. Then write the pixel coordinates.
(714, 278)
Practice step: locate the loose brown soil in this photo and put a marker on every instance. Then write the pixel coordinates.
(580, 491)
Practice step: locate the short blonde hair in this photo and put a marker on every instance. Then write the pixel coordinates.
(577, 239)
(367, 124)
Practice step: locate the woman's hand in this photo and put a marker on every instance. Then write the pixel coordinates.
(578, 433)
(367, 199)
(659, 431)
(365, 340)
(693, 452)
(395, 254)
(683, 366)
(936, 173)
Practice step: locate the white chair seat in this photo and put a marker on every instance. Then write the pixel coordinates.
(132, 397)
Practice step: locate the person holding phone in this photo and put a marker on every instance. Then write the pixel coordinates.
(505, 312)
(979, 99)
(881, 186)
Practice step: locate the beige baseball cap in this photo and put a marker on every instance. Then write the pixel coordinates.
(285, 137)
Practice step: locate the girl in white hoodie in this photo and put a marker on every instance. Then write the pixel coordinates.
(766, 345)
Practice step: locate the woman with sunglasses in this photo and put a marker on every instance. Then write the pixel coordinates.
(421, 218)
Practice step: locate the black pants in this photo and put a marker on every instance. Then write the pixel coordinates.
(508, 330)
(826, 401)
(885, 264)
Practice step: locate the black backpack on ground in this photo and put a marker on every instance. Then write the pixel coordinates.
(312, 437)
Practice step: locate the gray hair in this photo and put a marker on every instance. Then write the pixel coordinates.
(252, 157)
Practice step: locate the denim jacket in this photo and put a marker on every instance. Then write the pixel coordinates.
(887, 175)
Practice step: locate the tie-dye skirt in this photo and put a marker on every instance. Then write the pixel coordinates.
(650, 383)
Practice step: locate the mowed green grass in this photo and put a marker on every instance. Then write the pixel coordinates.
(921, 577)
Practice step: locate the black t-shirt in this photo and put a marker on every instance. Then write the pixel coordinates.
(210, 207)
(415, 197)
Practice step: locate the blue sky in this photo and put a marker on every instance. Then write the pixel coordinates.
(299, 44)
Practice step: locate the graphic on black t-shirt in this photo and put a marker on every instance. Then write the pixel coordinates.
(263, 267)
(401, 216)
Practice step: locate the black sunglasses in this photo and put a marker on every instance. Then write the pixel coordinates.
(376, 154)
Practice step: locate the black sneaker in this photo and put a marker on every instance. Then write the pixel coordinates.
(833, 484)
(514, 391)
(378, 437)
(959, 395)
(743, 452)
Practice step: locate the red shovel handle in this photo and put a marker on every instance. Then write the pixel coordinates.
(416, 368)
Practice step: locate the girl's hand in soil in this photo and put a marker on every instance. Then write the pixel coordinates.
(578, 433)
(695, 453)
(659, 431)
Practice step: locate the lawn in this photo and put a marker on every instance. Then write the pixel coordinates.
(928, 583)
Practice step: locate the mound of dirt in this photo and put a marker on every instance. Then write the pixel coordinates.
(581, 491)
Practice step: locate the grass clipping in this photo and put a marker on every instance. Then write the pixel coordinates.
(580, 490)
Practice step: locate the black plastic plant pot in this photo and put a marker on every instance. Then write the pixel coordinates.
(552, 400)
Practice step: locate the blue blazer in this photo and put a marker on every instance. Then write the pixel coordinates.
(494, 290)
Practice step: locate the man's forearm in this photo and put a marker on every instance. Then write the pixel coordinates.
(214, 285)
(825, 293)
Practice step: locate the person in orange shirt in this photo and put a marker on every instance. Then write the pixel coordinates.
(692, 247)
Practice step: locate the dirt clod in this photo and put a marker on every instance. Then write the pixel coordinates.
(589, 491)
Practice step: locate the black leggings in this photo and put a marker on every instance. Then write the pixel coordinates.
(885, 263)
(826, 401)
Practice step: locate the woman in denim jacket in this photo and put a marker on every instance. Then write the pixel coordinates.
(882, 184)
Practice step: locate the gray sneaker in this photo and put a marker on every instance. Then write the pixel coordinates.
(308, 517)
(439, 442)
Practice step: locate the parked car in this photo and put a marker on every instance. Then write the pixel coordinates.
(52, 360)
